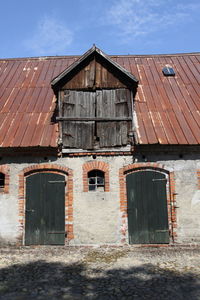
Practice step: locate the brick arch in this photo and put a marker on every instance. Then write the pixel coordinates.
(53, 168)
(95, 165)
(198, 179)
(170, 196)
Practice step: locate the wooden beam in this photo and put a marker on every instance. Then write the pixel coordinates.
(88, 119)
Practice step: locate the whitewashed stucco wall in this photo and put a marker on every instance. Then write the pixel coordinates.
(97, 218)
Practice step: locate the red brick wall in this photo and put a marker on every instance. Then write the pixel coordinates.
(95, 165)
(53, 168)
(198, 177)
(108, 153)
(171, 204)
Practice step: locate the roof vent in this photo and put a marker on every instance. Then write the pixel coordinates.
(168, 71)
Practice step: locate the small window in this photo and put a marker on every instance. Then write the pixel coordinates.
(2, 181)
(96, 181)
(168, 71)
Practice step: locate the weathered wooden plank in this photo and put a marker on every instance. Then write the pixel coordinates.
(113, 103)
(88, 119)
(78, 135)
(68, 107)
(104, 132)
(116, 134)
(107, 108)
(125, 127)
(94, 75)
(77, 106)
(112, 107)
(121, 106)
(98, 76)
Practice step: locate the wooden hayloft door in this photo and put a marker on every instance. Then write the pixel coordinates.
(147, 208)
(96, 119)
(45, 209)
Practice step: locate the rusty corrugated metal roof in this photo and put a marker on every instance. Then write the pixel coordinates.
(167, 108)
(27, 102)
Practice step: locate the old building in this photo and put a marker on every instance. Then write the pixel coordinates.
(100, 149)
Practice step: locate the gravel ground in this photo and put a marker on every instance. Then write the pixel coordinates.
(100, 273)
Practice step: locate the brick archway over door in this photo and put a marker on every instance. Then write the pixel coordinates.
(170, 196)
(52, 168)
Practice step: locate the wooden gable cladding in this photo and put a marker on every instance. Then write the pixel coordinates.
(95, 74)
(95, 119)
(92, 70)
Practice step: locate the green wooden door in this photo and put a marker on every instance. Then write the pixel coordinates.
(45, 209)
(147, 208)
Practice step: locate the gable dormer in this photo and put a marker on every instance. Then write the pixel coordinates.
(95, 100)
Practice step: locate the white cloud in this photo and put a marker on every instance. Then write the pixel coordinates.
(138, 17)
(50, 38)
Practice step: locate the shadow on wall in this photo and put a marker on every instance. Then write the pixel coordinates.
(42, 280)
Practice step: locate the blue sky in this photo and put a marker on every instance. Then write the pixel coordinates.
(71, 27)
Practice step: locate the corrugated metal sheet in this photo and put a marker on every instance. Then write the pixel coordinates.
(27, 102)
(167, 108)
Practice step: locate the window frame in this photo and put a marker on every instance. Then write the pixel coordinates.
(4, 170)
(2, 181)
(96, 165)
(96, 175)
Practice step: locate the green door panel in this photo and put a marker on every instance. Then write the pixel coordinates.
(147, 208)
(45, 209)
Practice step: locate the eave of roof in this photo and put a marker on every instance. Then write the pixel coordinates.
(108, 55)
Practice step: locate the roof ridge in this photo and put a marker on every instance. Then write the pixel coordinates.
(155, 55)
(39, 58)
(110, 55)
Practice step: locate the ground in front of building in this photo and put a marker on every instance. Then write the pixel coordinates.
(100, 273)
